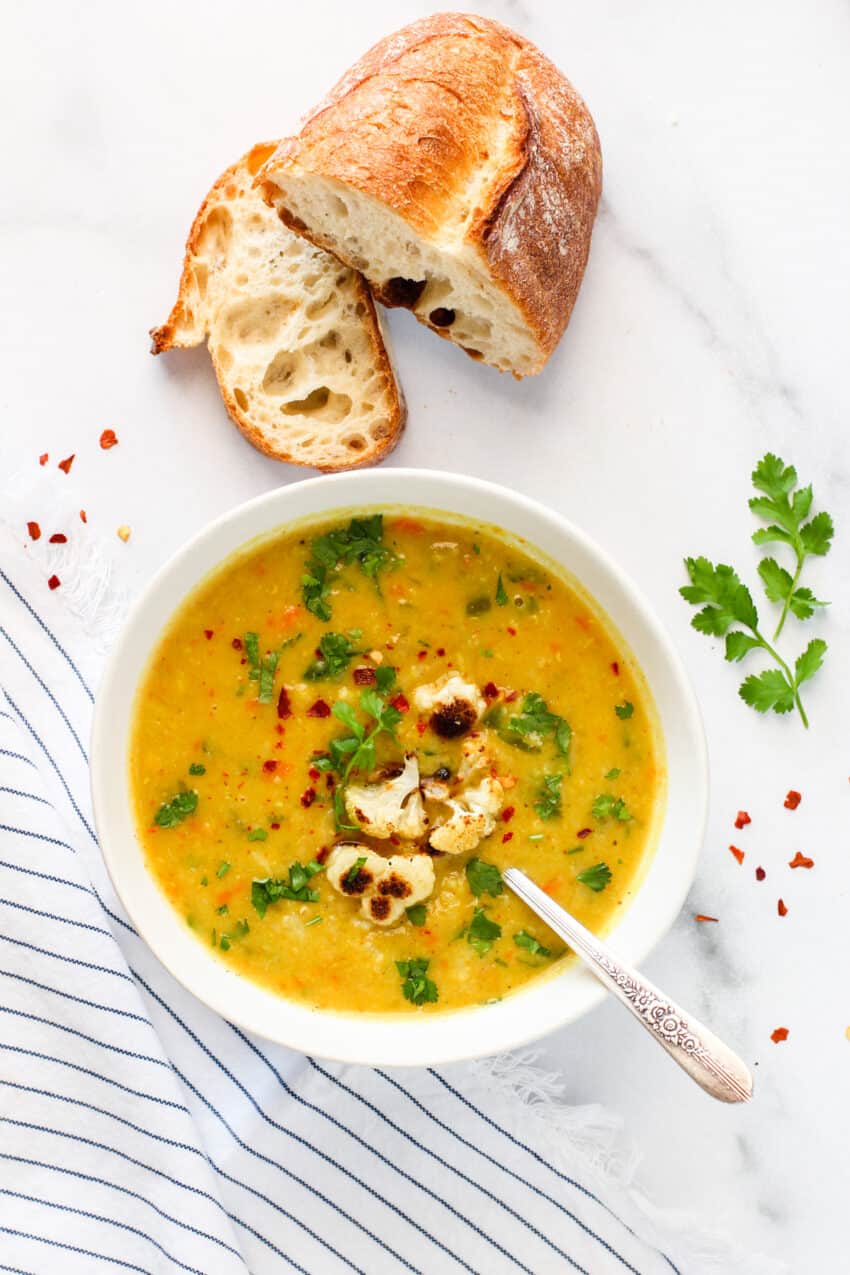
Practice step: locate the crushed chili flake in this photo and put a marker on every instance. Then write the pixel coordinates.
(364, 676)
(319, 709)
(308, 796)
(441, 650)
(510, 629)
(742, 819)
(313, 773)
(511, 696)
(615, 668)
(701, 917)
(54, 582)
(421, 727)
(83, 516)
(394, 841)
(400, 702)
(421, 655)
(793, 800)
(284, 707)
(65, 465)
(322, 853)
(208, 634)
(108, 439)
(34, 530)
(739, 854)
(491, 691)
(779, 1034)
(508, 813)
(274, 826)
(760, 874)
(270, 765)
(801, 861)
(58, 538)
(236, 644)
(781, 908)
(509, 836)
(584, 832)
(43, 458)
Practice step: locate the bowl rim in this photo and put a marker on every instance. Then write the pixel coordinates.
(427, 1039)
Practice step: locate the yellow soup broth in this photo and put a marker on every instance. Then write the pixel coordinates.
(234, 784)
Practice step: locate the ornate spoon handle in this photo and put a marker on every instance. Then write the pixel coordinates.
(697, 1050)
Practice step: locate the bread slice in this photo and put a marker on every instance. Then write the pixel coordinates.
(460, 172)
(293, 334)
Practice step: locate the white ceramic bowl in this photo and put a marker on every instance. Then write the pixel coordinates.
(414, 1039)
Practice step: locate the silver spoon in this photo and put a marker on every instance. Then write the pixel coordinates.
(697, 1051)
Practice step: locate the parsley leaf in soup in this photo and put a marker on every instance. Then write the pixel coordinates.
(531, 944)
(197, 769)
(548, 803)
(415, 984)
(530, 728)
(416, 914)
(173, 812)
(482, 932)
(268, 668)
(251, 643)
(354, 871)
(258, 834)
(501, 594)
(595, 878)
(624, 710)
(361, 542)
(222, 869)
(483, 878)
(335, 655)
(296, 888)
(384, 677)
(606, 804)
(613, 773)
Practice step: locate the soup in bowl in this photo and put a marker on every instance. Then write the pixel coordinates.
(346, 727)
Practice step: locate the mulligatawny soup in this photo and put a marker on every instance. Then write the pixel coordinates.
(348, 731)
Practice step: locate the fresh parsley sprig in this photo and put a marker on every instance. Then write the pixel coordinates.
(785, 507)
(335, 653)
(296, 888)
(530, 727)
(416, 986)
(361, 542)
(356, 751)
(548, 803)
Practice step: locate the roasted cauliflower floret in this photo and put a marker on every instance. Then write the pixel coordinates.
(472, 818)
(385, 887)
(454, 705)
(391, 807)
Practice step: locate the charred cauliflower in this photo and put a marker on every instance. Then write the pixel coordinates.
(390, 807)
(385, 887)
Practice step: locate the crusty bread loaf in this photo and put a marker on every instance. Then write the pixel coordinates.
(292, 332)
(460, 172)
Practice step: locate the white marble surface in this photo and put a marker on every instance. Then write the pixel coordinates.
(711, 327)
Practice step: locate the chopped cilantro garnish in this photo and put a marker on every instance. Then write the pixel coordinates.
(535, 723)
(356, 751)
(268, 668)
(531, 944)
(384, 677)
(607, 804)
(613, 773)
(197, 769)
(483, 878)
(251, 643)
(624, 710)
(595, 878)
(204, 881)
(482, 932)
(548, 803)
(258, 834)
(336, 655)
(314, 920)
(222, 869)
(223, 910)
(240, 929)
(535, 836)
(501, 595)
(297, 887)
(416, 915)
(476, 549)
(360, 542)
(354, 871)
(177, 809)
(415, 984)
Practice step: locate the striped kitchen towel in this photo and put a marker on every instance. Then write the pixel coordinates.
(141, 1132)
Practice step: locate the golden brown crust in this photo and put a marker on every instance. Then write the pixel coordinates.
(186, 328)
(456, 120)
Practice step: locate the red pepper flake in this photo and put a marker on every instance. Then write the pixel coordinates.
(441, 650)
(58, 538)
(781, 908)
(394, 841)
(364, 676)
(779, 1034)
(270, 766)
(319, 709)
(584, 832)
(208, 634)
(491, 691)
(701, 917)
(793, 800)
(742, 819)
(615, 669)
(511, 696)
(65, 465)
(739, 854)
(43, 458)
(400, 702)
(322, 854)
(313, 773)
(509, 836)
(508, 813)
(421, 727)
(54, 582)
(83, 516)
(34, 530)
(308, 796)
(760, 874)
(284, 707)
(274, 826)
(108, 439)
(421, 655)
(236, 644)
(510, 629)
(801, 861)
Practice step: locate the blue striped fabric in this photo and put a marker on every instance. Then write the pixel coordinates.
(141, 1132)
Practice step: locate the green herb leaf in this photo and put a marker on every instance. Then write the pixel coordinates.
(354, 871)
(531, 944)
(258, 834)
(595, 878)
(529, 728)
(810, 661)
(268, 668)
(222, 869)
(482, 932)
(625, 710)
(768, 690)
(360, 542)
(296, 888)
(251, 643)
(606, 804)
(548, 803)
(415, 985)
(483, 878)
(613, 773)
(197, 769)
(172, 812)
(336, 655)
(501, 595)
(417, 914)
(384, 678)
(739, 644)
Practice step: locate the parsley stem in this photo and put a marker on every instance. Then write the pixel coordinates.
(790, 594)
(792, 681)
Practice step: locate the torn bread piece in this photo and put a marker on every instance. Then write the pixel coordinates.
(293, 335)
(386, 887)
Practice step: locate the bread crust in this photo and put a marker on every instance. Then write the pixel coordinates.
(185, 328)
(457, 120)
